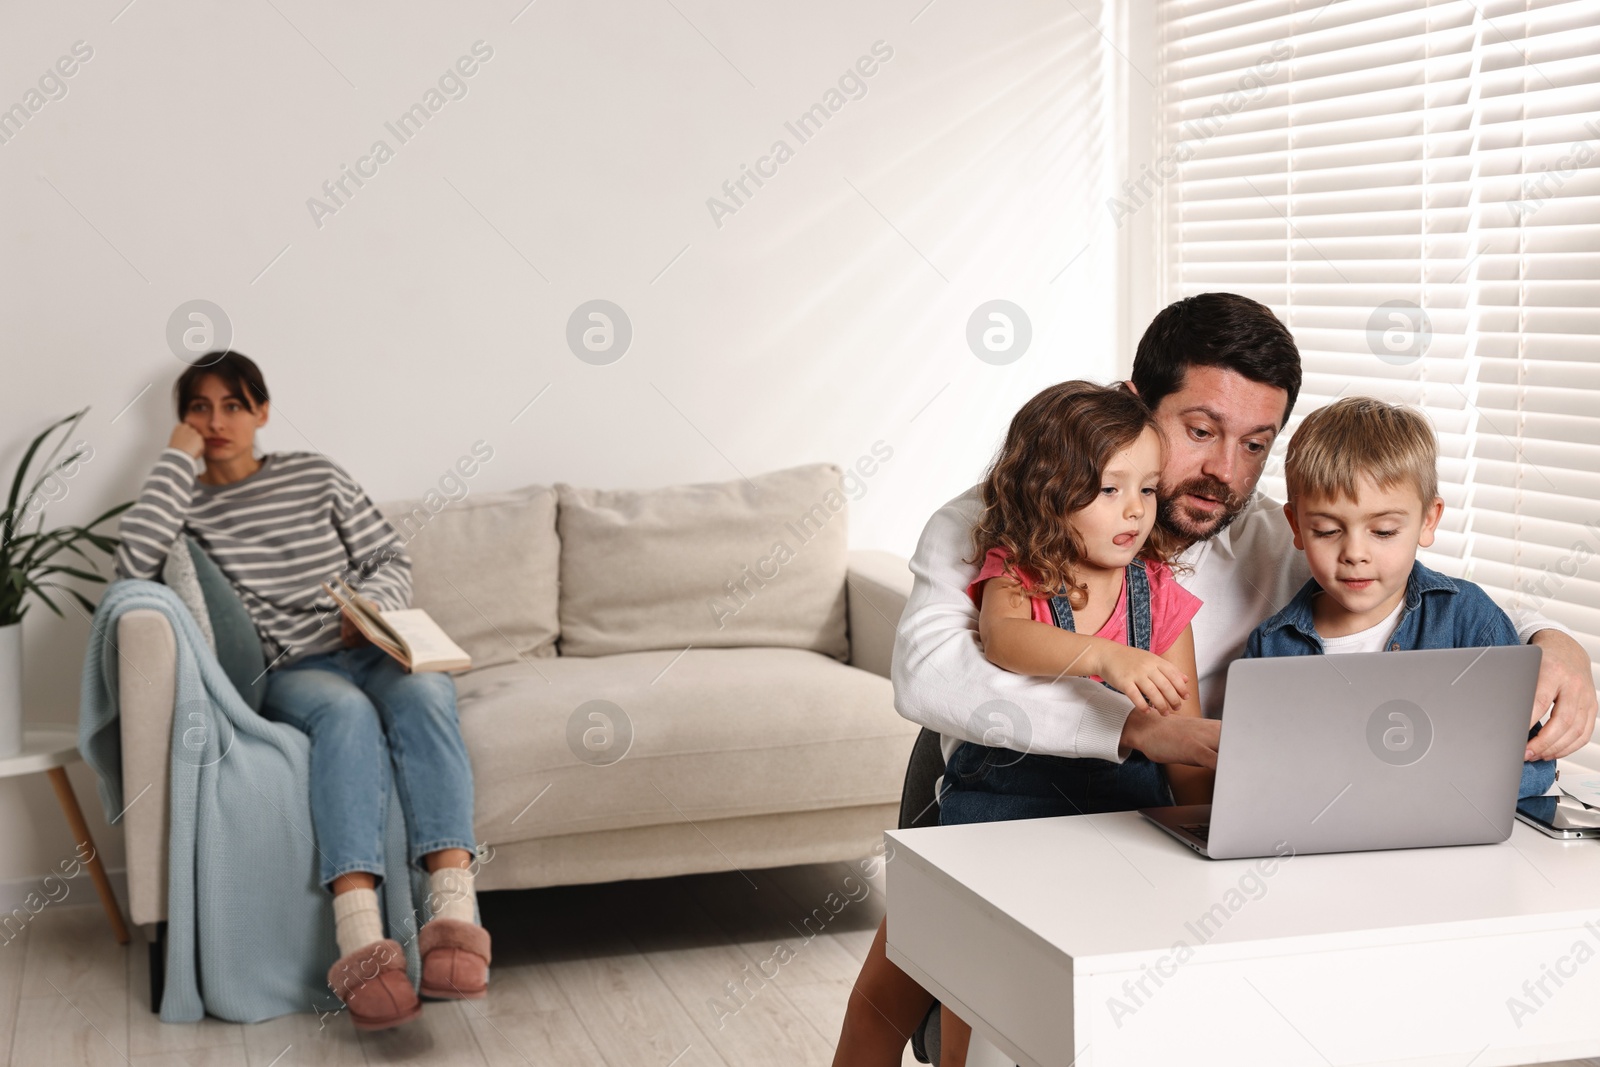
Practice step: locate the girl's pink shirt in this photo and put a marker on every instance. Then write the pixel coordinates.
(1172, 607)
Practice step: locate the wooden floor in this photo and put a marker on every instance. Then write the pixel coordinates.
(632, 974)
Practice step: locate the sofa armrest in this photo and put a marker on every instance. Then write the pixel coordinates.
(877, 585)
(146, 691)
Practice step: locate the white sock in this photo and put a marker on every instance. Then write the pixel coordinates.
(450, 894)
(356, 920)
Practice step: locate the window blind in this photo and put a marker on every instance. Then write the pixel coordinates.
(1414, 189)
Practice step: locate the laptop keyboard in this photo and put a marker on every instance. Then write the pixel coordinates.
(1202, 830)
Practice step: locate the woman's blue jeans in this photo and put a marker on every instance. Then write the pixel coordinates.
(364, 714)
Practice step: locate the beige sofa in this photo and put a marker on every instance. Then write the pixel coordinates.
(726, 627)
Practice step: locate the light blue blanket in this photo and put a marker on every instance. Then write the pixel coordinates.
(249, 930)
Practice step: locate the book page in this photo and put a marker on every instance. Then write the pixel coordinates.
(430, 647)
(366, 609)
(366, 620)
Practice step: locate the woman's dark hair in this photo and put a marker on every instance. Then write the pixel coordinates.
(1216, 330)
(1049, 467)
(235, 370)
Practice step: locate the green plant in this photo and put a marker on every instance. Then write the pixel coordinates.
(32, 561)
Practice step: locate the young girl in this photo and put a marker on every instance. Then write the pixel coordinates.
(1074, 580)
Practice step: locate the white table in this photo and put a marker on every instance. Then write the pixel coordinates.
(51, 749)
(1102, 941)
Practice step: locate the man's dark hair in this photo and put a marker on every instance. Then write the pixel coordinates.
(1216, 330)
(235, 370)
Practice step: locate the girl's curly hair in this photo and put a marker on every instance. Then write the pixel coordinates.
(1048, 468)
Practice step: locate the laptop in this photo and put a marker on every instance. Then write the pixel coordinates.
(1362, 751)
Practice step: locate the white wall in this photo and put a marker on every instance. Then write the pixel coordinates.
(827, 313)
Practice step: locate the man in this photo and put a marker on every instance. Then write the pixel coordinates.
(1222, 375)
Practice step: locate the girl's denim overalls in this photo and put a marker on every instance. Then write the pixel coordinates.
(983, 784)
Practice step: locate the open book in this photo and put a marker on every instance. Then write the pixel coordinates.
(410, 635)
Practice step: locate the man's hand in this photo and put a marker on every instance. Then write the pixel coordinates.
(1565, 677)
(1173, 738)
(350, 634)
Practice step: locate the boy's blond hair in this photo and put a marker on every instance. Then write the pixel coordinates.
(1361, 435)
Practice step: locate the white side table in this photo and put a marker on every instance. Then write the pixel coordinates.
(1099, 941)
(51, 749)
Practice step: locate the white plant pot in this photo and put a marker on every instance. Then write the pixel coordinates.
(10, 689)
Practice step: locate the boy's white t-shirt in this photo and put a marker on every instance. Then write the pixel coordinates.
(1372, 639)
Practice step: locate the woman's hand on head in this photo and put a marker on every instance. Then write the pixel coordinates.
(1144, 678)
(187, 439)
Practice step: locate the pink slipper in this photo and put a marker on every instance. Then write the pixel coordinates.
(455, 960)
(372, 983)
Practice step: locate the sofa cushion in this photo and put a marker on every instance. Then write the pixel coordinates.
(715, 734)
(178, 574)
(485, 568)
(231, 629)
(757, 562)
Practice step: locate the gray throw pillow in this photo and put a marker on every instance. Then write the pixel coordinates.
(237, 643)
(179, 576)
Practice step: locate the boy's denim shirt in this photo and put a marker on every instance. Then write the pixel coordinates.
(1439, 612)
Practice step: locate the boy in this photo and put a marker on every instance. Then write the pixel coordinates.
(1363, 497)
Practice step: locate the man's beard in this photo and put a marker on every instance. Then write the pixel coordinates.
(1189, 525)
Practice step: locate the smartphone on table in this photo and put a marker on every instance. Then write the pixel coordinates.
(1560, 816)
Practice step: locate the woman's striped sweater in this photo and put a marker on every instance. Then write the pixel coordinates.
(279, 534)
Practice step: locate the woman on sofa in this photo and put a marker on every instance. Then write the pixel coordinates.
(279, 525)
